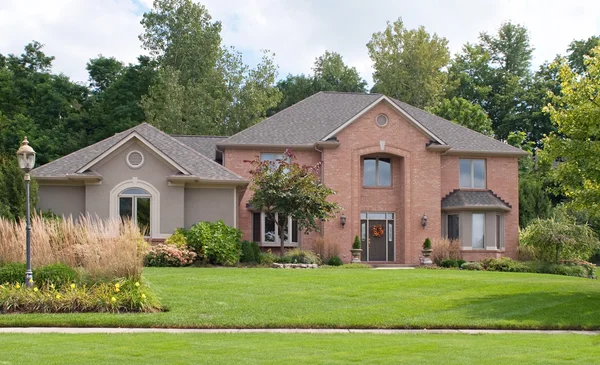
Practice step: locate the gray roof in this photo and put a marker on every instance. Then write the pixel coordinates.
(195, 163)
(206, 145)
(474, 199)
(315, 117)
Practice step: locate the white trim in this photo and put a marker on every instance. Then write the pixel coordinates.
(125, 140)
(154, 203)
(135, 167)
(395, 106)
(276, 243)
(235, 206)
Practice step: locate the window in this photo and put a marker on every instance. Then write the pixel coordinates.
(472, 173)
(478, 232)
(499, 231)
(134, 204)
(135, 159)
(453, 233)
(265, 231)
(381, 120)
(377, 171)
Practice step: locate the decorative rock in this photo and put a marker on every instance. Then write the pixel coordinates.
(294, 266)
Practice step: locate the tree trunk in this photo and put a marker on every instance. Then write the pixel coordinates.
(281, 239)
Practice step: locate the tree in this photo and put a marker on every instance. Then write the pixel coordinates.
(576, 144)
(284, 188)
(330, 74)
(103, 72)
(469, 75)
(201, 87)
(12, 189)
(580, 49)
(462, 112)
(408, 64)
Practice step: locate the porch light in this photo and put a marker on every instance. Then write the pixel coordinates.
(424, 221)
(343, 220)
(26, 158)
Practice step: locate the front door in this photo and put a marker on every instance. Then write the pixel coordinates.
(376, 240)
(377, 236)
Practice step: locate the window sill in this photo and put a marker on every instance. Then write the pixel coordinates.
(378, 187)
(277, 244)
(469, 249)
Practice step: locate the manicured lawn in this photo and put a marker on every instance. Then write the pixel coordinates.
(256, 298)
(297, 349)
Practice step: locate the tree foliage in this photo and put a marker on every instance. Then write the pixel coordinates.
(284, 188)
(12, 190)
(408, 64)
(330, 74)
(461, 111)
(576, 144)
(202, 87)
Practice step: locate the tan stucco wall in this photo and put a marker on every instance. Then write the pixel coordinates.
(62, 200)
(155, 170)
(209, 204)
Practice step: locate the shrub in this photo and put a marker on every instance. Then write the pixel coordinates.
(57, 274)
(334, 261)
(471, 266)
(12, 273)
(178, 238)
(298, 256)
(268, 258)
(169, 256)
(250, 253)
(448, 263)
(356, 244)
(556, 239)
(460, 262)
(325, 248)
(216, 243)
(427, 244)
(104, 248)
(116, 297)
(505, 264)
(445, 249)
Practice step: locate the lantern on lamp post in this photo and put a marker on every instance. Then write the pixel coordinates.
(26, 158)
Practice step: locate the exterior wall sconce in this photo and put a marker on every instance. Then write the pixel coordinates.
(424, 221)
(343, 220)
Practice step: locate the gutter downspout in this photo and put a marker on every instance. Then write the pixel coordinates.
(322, 172)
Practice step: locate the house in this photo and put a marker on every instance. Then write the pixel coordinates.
(401, 175)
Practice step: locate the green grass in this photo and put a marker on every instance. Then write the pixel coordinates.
(270, 348)
(257, 298)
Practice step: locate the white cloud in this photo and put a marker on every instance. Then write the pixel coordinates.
(297, 31)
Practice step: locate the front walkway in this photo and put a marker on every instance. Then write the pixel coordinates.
(81, 330)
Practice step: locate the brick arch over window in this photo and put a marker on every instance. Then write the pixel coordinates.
(403, 224)
(154, 202)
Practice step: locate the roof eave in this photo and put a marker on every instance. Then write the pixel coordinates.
(519, 153)
(265, 145)
(476, 208)
(438, 147)
(197, 179)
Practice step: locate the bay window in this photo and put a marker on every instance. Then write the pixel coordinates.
(266, 232)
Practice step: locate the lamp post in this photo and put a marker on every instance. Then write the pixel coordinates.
(26, 158)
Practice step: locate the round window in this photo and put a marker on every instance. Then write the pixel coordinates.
(382, 120)
(135, 159)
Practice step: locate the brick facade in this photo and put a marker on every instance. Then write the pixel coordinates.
(420, 178)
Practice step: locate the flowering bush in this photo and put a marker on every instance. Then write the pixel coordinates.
(169, 256)
(115, 297)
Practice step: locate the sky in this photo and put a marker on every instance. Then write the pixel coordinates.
(296, 31)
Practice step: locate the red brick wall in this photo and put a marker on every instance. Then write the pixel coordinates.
(502, 175)
(420, 179)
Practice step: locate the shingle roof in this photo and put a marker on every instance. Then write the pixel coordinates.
(307, 121)
(206, 145)
(474, 199)
(313, 118)
(195, 163)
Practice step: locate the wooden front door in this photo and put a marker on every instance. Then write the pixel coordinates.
(376, 244)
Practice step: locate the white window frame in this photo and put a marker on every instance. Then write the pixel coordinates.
(134, 200)
(471, 163)
(377, 185)
(276, 243)
(472, 231)
(113, 204)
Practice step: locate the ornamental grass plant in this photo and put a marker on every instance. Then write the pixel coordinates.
(104, 249)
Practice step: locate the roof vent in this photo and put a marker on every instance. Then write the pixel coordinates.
(135, 159)
(382, 120)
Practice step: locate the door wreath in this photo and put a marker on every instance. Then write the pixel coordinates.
(377, 231)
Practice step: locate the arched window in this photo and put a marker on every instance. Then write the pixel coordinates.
(134, 204)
